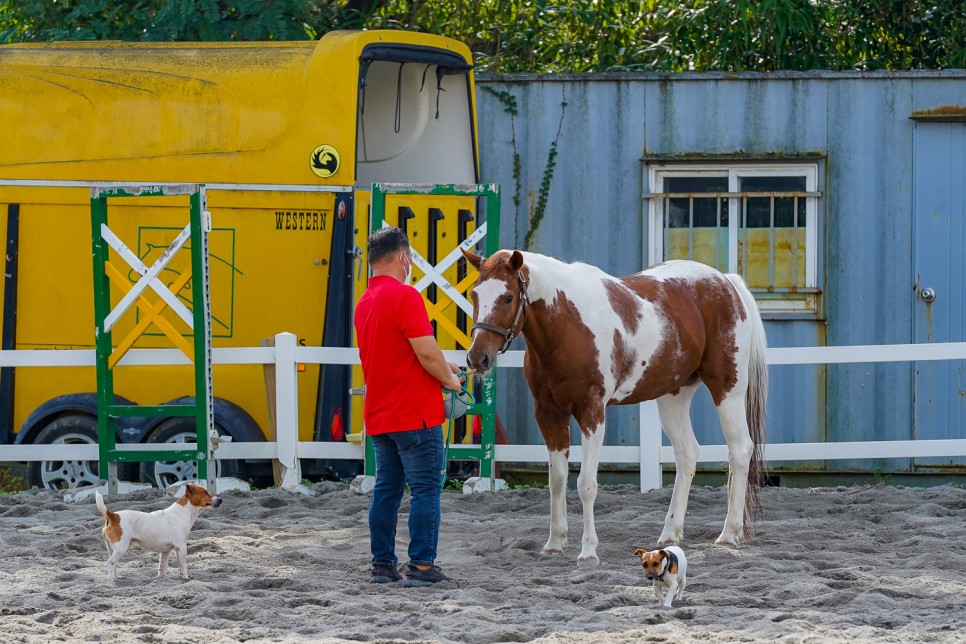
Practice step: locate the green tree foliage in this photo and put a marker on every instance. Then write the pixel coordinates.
(766, 35)
(542, 36)
(172, 20)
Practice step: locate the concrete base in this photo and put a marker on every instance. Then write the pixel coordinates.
(222, 484)
(300, 489)
(362, 484)
(87, 491)
(476, 484)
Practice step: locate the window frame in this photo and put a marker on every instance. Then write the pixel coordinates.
(804, 300)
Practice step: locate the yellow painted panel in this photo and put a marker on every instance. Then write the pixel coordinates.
(710, 246)
(360, 275)
(444, 311)
(269, 269)
(789, 257)
(214, 112)
(186, 112)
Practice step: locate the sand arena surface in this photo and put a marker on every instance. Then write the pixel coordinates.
(880, 564)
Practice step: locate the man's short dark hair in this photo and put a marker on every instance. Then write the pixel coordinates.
(385, 243)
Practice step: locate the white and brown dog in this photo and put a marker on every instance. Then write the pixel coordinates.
(667, 568)
(159, 531)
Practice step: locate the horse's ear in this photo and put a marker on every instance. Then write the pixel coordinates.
(516, 261)
(472, 258)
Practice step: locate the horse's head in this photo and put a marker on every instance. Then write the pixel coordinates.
(499, 306)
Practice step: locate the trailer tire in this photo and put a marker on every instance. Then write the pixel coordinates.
(71, 429)
(165, 473)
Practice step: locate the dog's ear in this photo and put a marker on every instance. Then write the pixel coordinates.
(639, 552)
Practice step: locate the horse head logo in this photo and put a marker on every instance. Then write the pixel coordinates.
(324, 161)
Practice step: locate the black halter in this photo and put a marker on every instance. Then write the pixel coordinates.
(509, 332)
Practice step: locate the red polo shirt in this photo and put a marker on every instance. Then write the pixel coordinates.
(400, 394)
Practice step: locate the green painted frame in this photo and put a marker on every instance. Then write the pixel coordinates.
(485, 405)
(107, 411)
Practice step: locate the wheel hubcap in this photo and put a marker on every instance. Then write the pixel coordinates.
(170, 472)
(63, 475)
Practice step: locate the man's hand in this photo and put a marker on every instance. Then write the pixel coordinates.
(455, 368)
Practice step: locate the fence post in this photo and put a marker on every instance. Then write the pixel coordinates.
(650, 440)
(286, 411)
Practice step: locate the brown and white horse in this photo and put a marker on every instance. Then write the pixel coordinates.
(594, 340)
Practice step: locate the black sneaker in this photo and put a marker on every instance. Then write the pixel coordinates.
(383, 573)
(416, 578)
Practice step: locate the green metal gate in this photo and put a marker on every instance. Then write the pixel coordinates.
(108, 354)
(485, 392)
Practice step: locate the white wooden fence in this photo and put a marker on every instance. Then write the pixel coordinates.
(650, 455)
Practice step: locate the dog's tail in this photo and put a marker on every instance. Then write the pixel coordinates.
(100, 504)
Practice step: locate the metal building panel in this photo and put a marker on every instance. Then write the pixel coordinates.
(593, 210)
(856, 123)
(867, 254)
(736, 117)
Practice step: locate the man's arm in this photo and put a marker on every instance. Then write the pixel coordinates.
(431, 358)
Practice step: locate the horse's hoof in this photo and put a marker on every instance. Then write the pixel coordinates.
(668, 541)
(588, 562)
(552, 551)
(726, 541)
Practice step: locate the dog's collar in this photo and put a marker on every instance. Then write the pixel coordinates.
(672, 560)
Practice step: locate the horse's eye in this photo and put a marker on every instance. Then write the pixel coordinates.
(508, 299)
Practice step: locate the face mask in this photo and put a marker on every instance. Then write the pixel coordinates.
(409, 270)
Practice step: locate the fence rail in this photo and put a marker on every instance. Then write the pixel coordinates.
(650, 455)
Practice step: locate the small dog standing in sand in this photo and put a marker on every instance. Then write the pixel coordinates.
(159, 531)
(667, 568)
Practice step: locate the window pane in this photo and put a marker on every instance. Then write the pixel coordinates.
(759, 208)
(697, 226)
(773, 248)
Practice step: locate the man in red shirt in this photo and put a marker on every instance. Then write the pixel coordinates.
(404, 370)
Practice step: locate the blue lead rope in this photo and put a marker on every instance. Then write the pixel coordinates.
(464, 397)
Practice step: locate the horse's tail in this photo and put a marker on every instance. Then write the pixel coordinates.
(756, 399)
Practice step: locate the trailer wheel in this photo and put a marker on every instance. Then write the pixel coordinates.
(165, 473)
(74, 429)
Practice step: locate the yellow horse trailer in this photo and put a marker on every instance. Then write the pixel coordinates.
(287, 137)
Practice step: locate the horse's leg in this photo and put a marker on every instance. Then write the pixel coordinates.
(555, 427)
(734, 425)
(674, 410)
(587, 489)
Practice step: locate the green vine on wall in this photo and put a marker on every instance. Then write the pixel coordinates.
(538, 210)
(509, 103)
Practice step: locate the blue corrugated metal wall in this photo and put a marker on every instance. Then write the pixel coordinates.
(857, 125)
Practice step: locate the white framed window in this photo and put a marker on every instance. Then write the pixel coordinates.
(759, 221)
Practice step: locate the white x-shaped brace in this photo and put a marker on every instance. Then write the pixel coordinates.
(149, 277)
(434, 274)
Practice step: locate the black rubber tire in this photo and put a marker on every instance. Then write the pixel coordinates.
(164, 473)
(63, 475)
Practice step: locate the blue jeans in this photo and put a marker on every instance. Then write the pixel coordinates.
(415, 458)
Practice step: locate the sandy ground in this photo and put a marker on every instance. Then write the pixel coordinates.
(880, 564)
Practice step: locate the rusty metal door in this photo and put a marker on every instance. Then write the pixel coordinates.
(939, 202)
